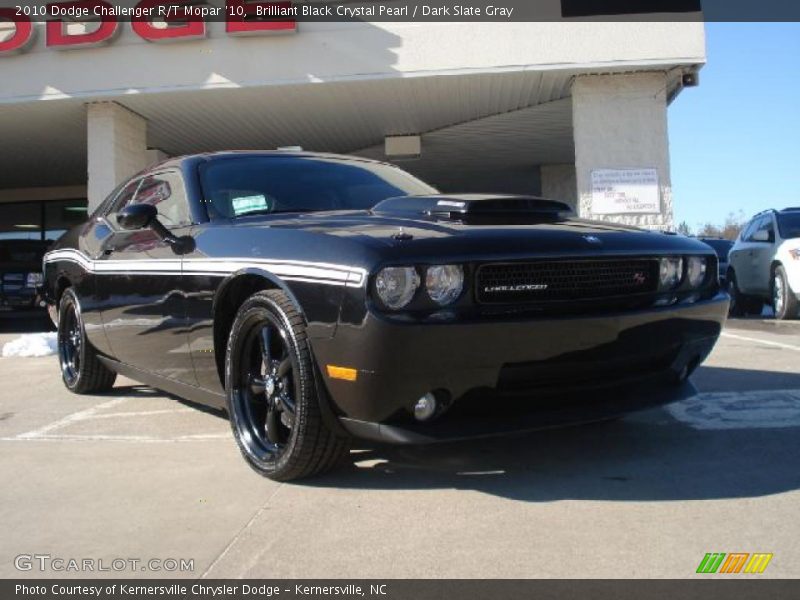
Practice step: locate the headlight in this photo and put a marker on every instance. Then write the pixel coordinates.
(670, 272)
(795, 253)
(696, 271)
(444, 283)
(34, 280)
(396, 286)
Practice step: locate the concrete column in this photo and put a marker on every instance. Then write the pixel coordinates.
(117, 148)
(620, 123)
(558, 183)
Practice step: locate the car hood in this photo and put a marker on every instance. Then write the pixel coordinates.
(412, 228)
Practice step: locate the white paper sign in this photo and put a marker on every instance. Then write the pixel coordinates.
(625, 191)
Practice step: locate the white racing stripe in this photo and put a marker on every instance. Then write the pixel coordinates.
(761, 409)
(290, 270)
(745, 338)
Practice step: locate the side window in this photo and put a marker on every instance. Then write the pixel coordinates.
(761, 224)
(165, 191)
(122, 200)
(748, 231)
(768, 226)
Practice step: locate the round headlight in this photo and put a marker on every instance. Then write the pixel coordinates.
(696, 271)
(670, 272)
(444, 283)
(396, 286)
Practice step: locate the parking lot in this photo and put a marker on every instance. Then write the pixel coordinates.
(137, 474)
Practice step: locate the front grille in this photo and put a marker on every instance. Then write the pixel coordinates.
(565, 280)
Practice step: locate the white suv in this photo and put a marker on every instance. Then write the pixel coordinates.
(765, 264)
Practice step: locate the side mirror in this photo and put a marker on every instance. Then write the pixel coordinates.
(137, 216)
(762, 235)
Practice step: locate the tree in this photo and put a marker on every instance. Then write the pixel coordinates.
(684, 229)
(728, 230)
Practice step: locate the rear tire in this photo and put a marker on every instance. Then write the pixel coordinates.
(81, 370)
(272, 397)
(741, 304)
(784, 300)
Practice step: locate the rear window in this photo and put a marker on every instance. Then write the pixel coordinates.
(789, 225)
(255, 185)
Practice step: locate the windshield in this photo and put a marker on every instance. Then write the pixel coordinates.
(272, 184)
(789, 225)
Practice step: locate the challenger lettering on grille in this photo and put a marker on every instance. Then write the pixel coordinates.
(523, 287)
(565, 280)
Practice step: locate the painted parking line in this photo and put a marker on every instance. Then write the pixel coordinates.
(70, 419)
(100, 412)
(141, 413)
(745, 338)
(99, 437)
(763, 409)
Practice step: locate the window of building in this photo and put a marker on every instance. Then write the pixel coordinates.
(45, 221)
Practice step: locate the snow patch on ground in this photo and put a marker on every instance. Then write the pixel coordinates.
(32, 345)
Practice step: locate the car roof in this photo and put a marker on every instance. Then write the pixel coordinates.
(179, 161)
(773, 211)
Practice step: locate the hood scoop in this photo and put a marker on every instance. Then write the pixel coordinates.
(475, 209)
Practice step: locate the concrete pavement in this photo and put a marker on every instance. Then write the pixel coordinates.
(137, 474)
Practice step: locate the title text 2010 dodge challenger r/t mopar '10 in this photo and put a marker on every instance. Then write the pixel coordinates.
(320, 297)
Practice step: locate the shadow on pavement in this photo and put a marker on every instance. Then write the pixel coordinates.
(145, 391)
(720, 379)
(648, 456)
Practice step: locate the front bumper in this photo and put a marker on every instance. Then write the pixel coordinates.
(514, 374)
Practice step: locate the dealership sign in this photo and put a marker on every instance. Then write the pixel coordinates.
(152, 20)
(625, 191)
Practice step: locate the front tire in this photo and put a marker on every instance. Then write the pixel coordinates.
(81, 370)
(741, 304)
(271, 392)
(784, 301)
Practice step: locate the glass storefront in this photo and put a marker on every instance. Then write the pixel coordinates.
(45, 221)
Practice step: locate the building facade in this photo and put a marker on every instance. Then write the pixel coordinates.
(575, 111)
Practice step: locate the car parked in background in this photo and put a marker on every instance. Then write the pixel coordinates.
(722, 247)
(20, 273)
(318, 297)
(765, 265)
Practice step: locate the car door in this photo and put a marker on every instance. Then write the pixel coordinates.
(762, 254)
(741, 257)
(139, 281)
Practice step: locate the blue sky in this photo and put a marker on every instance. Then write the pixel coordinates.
(735, 139)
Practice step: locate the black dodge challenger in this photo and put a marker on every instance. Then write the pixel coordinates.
(319, 297)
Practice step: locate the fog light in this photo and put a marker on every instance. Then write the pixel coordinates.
(425, 407)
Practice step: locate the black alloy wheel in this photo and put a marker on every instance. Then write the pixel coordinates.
(81, 369)
(70, 340)
(272, 396)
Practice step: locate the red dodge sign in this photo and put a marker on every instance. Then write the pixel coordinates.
(152, 20)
